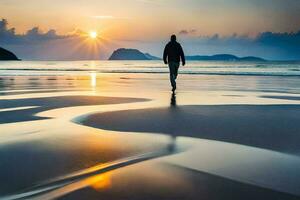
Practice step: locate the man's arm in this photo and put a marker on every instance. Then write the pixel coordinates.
(165, 55)
(182, 56)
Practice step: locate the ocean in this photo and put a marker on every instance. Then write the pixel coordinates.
(19, 68)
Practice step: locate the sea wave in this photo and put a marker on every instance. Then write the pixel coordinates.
(154, 67)
(25, 72)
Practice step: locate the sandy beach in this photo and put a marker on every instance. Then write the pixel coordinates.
(125, 136)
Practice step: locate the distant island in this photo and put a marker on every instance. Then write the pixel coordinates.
(131, 54)
(224, 57)
(7, 55)
(151, 57)
(135, 54)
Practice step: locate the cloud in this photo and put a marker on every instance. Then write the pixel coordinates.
(108, 17)
(270, 45)
(49, 45)
(183, 32)
(34, 35)
(103, 17)
(285, 42)
(187, 32)
(155, 2)
(281, 40)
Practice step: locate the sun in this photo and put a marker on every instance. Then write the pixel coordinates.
(93, 34)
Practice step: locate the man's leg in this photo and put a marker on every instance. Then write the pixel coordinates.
(172, 68)
(176, 70)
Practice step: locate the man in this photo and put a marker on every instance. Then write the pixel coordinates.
(172, 54)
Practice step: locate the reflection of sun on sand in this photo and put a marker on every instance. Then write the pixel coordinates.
(100, 182)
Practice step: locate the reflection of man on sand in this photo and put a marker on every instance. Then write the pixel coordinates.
(172, 54)
(172, 144)
(173, 100)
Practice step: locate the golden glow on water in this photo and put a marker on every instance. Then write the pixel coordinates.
(93, 76)
(100, 182)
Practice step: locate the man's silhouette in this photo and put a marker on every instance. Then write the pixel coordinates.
(172, 54)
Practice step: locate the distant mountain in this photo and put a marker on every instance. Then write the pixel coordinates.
(252, 58)
(7, 55)
(131, 54)
(128, 54)
(152, 57)
(223, 57)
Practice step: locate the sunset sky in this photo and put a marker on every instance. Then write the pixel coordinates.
(241, 27)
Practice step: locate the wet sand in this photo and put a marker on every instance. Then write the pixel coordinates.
(174, 183)
(48, 103)
(106, 136)
(273, 127)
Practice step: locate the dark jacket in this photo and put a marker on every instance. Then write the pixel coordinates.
(173, 52)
